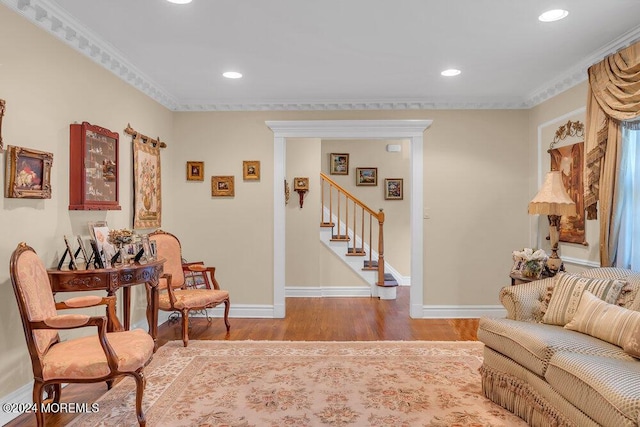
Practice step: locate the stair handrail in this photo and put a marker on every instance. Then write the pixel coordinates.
(379, 216)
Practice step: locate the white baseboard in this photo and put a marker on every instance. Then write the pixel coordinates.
(328, 291)
(462, 311)
(580, 262)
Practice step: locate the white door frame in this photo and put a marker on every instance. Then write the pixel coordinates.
(349, 129)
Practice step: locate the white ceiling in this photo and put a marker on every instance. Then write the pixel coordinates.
(341, 54)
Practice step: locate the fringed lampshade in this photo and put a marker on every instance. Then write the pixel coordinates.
(552, 199)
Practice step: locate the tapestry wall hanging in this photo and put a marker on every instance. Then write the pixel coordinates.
(146, 185)
(568, 159)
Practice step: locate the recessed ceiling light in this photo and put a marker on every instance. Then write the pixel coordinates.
(450, 72)
(553, 15)
(232, 75)
(179, 1)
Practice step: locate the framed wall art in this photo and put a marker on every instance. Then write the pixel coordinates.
(195, 171)
(222, 186)
(367, 176)
(2, 107)
(339, 164)
(393, 189)
(146, 184)
(27, 173)
(251, 170)
(301, 184)
(568, 159)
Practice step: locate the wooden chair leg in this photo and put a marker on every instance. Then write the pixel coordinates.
(141, 382)
(185, 327)
(226, 314)
(37, 399)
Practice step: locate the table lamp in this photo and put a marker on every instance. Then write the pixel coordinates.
(552, 200)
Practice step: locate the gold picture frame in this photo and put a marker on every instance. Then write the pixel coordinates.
(393, 189)
(339, 164)
(301, 184)
(251, 170)
(27, 173)
(195, 171)
(367, 177)
(3, 104)
(222, 186)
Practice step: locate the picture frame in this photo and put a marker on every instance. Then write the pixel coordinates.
(339, 164)
(146, 246)
(83, 251)
(27, 173)
(251, 170)
(3, 104)
(147, 200)
(367, 177)
(195, 171)
(223, 186)
(72, 259)
(301, 184)
(393, 189)
(99, 232)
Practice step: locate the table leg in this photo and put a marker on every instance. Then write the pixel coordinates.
(152, 312)
(126, 307)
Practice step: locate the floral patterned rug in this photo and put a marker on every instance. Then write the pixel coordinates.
(271, 383)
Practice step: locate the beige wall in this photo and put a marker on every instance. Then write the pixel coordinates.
(479, 175)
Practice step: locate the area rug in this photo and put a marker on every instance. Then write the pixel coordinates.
(275, 384)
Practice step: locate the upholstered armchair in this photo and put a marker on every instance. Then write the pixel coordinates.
(103, 356)
(174, 294)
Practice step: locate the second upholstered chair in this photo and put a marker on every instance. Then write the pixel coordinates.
(174, 294)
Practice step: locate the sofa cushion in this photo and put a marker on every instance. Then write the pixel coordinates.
(567, 291)
(532, 344)
(632, 345)
(607, 390)
(603, 320)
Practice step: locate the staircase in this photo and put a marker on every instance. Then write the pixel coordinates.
(349, 228)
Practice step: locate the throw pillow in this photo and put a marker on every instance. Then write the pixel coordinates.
(568, 290)
(632, 346)
(602, 320)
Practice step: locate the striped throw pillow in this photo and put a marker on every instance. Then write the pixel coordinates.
(567, 292)
(602, 320)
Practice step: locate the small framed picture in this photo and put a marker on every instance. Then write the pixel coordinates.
(339, 164)
(28, 173)
(83, 250)
(367, 176)
(251, 170)
(222, 186)
(393, 189)
(72, 258)
(300, 183)
(195, 171)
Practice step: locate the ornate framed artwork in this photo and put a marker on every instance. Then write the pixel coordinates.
(27, 173)
(339, 164)
(195, 171)
(146, 185)
(301, 184)
(2, 107)
(393, 189)
(222, 186)
(367, 176)
(251, 170)
(568, 159)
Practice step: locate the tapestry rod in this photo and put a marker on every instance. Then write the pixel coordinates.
(145, 139)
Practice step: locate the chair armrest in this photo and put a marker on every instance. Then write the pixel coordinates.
(208, 273)
(67, 321)
(172, 297)
(525, 301)
(92, 301)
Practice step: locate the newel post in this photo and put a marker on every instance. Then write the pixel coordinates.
(380, 248)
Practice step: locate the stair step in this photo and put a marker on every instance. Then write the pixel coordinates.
(370, 265)
(327, 224)
(340, 238)
(389, 280)
(356, 252)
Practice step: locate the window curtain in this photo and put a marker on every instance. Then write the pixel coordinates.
(613, 97)
(627, 225)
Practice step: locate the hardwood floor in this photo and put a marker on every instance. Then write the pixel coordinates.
(307, 319)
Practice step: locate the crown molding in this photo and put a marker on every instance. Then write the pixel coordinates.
(63, 26)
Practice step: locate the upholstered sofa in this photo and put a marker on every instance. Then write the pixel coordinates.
(568, 352)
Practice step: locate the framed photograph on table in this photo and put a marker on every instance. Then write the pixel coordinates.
(367, 177)
(195, 171)
(339, 164)
(393, 189)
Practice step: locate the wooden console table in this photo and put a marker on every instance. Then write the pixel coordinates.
(112, 279)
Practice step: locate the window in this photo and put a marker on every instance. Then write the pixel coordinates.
(628, 202)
